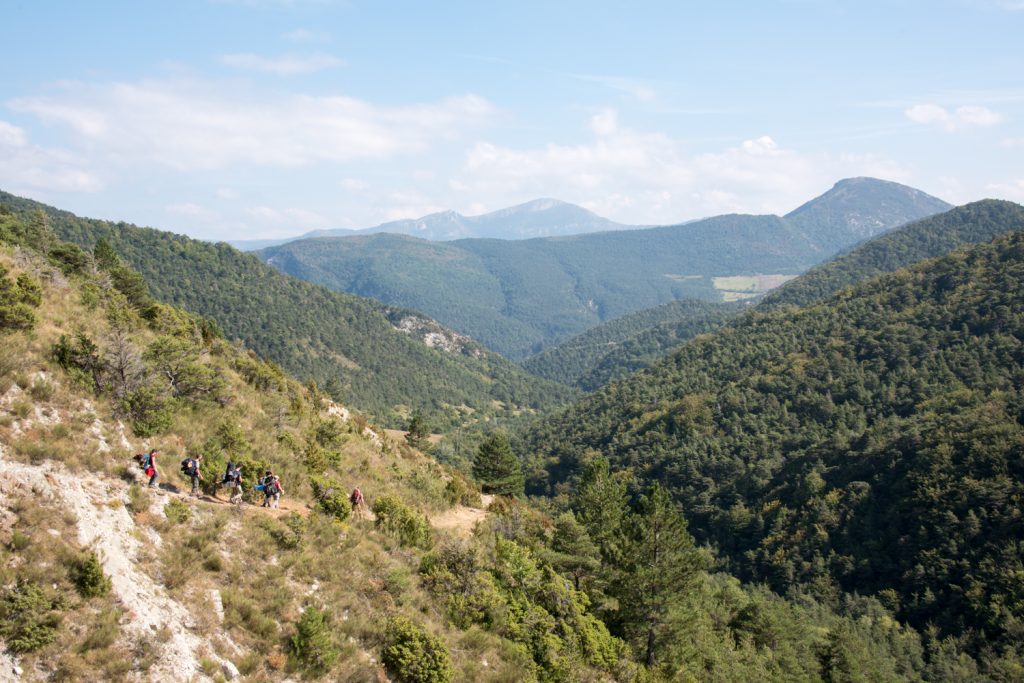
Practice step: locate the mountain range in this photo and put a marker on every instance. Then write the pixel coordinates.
(537, 218)
(106, 578)
(519, 296)
(383, 360)
(831, 482)
(618, 348)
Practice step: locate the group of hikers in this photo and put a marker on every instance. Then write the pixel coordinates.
(269, 484)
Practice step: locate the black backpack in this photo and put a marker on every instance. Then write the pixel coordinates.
(189, 466)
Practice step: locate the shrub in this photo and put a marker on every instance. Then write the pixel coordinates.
(70, 258)
(331, 497)
(17, 299)
(80, 358)
(28, 618)
(41, 389)
(177, 511)
(415, 656)
(312, 648)
(396, 518)
(88, 577)
(288, 532)
(148, 410)
(458, 492)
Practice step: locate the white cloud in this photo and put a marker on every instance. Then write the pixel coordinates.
(648, 177)
(228, 193)
(1013, 142)
(354, 184)
(967, 116)
(301, 35)
(605, 122)
(26, 168)
(288, 218)
(12, 136)
(285, 65)
(199, 125)
(1010, 189)
(190, 210)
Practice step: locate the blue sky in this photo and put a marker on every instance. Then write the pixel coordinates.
(233, 119)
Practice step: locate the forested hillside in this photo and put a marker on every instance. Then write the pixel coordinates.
(927, 238)
(622, 346)
(104, 578)
(517, 297)
(871, 443)
(350, 346)
(615, 349)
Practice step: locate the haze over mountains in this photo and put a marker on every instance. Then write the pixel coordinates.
(518, 296)
(537, 218)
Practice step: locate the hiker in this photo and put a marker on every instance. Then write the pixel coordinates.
(190, 468)
(233, 480)
(358, 503)
(147, 461)
(271, 490)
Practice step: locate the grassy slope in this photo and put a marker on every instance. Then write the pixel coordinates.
(264, 568)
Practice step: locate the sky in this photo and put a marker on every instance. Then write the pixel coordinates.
(246, 119)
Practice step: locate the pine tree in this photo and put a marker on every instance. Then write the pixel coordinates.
(660, 564)
(417, 431)
(497, 468)
(601, 506)
(572, 550)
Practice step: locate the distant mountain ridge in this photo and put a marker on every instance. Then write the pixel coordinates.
(619, 347)
(860, 208)
(520, 296)
(383, 360)
(537, 218)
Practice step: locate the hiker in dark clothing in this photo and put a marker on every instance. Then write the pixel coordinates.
(190, 467)
(271, 490)
(233, 480)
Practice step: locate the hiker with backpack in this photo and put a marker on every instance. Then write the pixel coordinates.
(147, 461)
(271, 490)
(190, 468)
(358, 503)
(233, 480)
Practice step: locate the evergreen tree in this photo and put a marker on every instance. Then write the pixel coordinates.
(573, 552)
(601, 505)
(418, 431)
(660, 565)
(497, 468)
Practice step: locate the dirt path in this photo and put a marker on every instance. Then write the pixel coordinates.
(461, 519)
(286, 506)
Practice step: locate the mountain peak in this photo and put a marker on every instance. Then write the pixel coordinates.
(861, 207)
